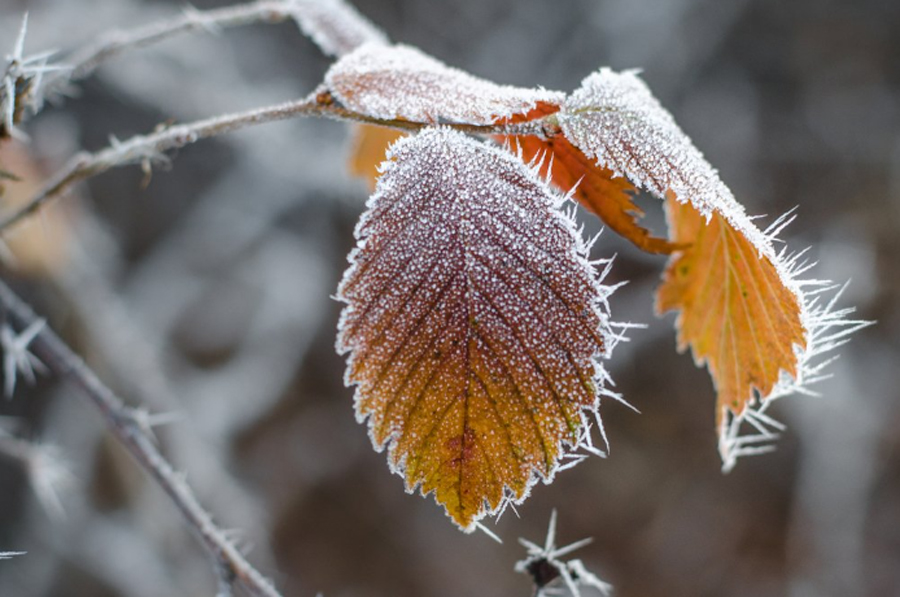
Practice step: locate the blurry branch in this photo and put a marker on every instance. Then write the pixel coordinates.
(147, 149)
(84, 62)
(130, 428)
(332, 24)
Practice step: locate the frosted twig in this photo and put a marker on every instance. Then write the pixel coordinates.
(145, 149)
(309, 14)
(231, 565)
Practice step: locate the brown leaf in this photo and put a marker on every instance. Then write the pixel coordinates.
(736, 312)
(474, 323)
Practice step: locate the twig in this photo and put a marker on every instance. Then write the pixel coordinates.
(231, 566)
(335, 26)
(145, 149)
(309, 13)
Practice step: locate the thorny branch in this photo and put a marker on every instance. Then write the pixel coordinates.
(333, 24)
(146, 149)
(83, 63)
(126, 424)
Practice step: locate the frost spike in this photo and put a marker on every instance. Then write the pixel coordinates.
(743, 307)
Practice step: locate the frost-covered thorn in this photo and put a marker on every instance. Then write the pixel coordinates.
(21, 82)
(545, 565)
(196, 18)
(46, 470)
(146, 420)
(19, 46)
(16, 356)
(50, 476)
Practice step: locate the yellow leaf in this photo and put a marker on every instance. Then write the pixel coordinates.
(737, 315)
(474, 323)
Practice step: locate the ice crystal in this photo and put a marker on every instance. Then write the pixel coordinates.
(614, 118)
(545, 566)
(6, 555)
(20, 85)
(17, 358)
(400, 82)
(474, 322)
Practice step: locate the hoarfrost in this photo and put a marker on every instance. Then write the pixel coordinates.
(545, 566)
(335, 26)
(475, 323)
(614, 118)
(401, 82)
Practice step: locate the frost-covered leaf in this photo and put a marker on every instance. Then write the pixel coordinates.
(335, 26)
(474, 323)
(743, 310)
(611, 198)
(400, 82)
(604, 194)
(736, 313)
(615, 120)
(368, 148)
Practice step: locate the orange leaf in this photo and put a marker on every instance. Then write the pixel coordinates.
(368, 147)
(474, 323)
(736, 312)
(607, 196)
(40, 247)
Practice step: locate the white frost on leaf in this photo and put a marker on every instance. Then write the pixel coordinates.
(335, 26)
(828, 327)
(615, 119)
(401, 82)
(473, 310)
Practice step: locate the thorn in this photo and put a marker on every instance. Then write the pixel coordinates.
(16, 356)
(19, 47)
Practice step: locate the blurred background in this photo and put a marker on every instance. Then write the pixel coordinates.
(205, 292)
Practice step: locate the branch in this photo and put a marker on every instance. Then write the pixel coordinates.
(126, 425)
(335, 26)
(84, 62)
(146, 149)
